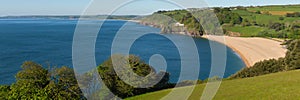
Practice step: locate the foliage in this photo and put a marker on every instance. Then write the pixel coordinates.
(194, 20)
(35, 82)
(4, 92)
(260, 68)
(166, 20)
(277, 26)
(266, 21)
(258, 12)
(120, 88)
(281, 18)
(273, 25)
(292, 58)
(225, 15)
(295, 14)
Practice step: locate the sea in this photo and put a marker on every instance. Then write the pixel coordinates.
(49, 41)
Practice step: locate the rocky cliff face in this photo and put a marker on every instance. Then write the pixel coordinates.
(172, 28)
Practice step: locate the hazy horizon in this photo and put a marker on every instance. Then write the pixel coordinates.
(140, 7)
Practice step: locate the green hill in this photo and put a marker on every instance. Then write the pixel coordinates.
(283, 85)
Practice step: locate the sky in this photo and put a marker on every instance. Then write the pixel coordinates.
(117, 7)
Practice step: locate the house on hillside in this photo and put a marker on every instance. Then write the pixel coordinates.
(179, 24)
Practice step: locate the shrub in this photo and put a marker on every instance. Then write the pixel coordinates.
(295, 14)
(277, 26)
(281, 18)
(258, 12)
(120, 88)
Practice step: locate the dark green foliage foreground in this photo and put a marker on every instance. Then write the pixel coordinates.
(123, 90)
(290, 62)
(35, 82)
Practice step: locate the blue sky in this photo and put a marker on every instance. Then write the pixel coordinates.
(77, 7)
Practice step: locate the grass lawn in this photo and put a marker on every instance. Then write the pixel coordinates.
(246, 31)
(265, 19)
(283, 85)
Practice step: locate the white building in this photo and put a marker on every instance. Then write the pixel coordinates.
(179, 24)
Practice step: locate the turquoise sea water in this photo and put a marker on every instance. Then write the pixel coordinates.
(49, 41)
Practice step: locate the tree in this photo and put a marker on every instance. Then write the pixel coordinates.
(246, 23)
(295, 14)
(258, 12)
(281, 18)
(63, 84)
(121, 88)
(35, 82)
(30, 82)
(4, 92)
(292, 58)
(277, 26)
(236, 18)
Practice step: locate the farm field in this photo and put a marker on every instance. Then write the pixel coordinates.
(261, 18)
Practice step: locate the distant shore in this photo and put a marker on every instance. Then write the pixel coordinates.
(254, 49)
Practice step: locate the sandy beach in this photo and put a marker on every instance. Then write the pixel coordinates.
(252, 49)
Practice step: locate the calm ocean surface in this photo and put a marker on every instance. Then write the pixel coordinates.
(49, 41)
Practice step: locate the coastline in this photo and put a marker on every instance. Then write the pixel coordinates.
(252, 49)
(233, 48)
(241, 55)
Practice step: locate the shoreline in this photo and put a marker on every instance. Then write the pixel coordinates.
(252, 49)
(241, 55)
(233, 48)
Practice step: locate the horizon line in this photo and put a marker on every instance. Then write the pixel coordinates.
(49, 15)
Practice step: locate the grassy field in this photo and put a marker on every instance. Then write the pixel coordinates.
(246, 31)
(263, 20)
(277, 8)
(284, 85)
(275, 11)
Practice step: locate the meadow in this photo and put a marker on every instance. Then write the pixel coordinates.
(283, 85)
(277, 9)
(248, 31)
(261, 18)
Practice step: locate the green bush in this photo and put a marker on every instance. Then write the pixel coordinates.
(35, 82)
(120, 88)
